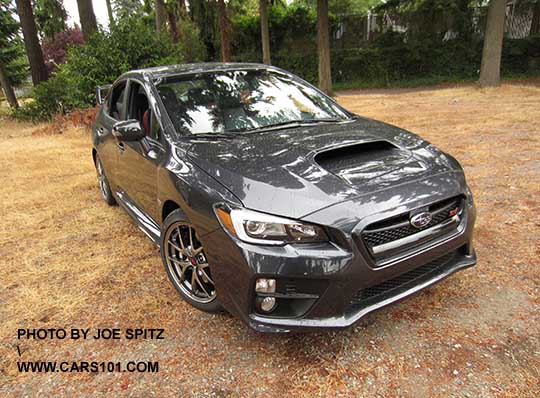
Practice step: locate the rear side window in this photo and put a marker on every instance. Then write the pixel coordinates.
(116, 109)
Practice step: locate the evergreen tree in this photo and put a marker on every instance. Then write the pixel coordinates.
(128, 8)
(31, 41)
(11, 46)
(50, 17)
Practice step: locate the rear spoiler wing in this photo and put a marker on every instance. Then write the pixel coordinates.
(101, 93)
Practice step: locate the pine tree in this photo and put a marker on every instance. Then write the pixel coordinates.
(50, 17)
(13, 67)
(31, 41)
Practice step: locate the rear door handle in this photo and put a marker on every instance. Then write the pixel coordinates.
(121, 146)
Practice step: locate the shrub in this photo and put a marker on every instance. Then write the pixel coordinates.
(57, 95)
(131, 44)
(521, 55)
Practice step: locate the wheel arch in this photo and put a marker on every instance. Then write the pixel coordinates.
(168, 207)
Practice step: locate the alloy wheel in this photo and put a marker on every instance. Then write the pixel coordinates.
(101, 180)
(187, 263)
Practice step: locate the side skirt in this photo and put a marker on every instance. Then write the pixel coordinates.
(143, 220)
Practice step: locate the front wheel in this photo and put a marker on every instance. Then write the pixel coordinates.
(186, 264)
(103, 182)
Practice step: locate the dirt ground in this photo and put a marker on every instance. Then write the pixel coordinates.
(69, 261)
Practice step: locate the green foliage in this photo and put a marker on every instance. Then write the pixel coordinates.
(191, 46)
(50, 17)
(204, 15)
(431, 17)
(131, 44)
(12, 52)
(292, 30)
(125, 9)
(391, 59)
(521, 56)
(341, 7)
(57, 95)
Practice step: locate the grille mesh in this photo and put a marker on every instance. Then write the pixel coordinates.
(400, 283)
(393, 230)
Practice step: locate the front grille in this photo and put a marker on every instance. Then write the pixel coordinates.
(392, 287)
(398, 227)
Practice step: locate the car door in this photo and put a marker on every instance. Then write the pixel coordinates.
(113, 111)
(138, 161)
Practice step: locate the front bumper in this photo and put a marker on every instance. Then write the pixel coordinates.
(329, 285)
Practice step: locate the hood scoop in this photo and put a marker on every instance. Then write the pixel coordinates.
(364, 162)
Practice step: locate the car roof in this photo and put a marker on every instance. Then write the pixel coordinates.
(157, 72)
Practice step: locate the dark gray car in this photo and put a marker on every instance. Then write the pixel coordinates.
(271, 201)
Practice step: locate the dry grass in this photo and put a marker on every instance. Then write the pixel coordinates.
(68, 260)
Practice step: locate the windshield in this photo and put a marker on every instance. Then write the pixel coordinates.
(243, 100)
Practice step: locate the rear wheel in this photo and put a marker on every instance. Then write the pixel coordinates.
(103, 182)
(186, 264)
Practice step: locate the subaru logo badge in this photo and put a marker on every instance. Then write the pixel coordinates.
(420, 220)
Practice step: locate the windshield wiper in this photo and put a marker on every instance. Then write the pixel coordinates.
(292, 124)
(215, 135)
(235, 133)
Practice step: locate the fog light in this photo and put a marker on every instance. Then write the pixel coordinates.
(268, 304)
(265, 285)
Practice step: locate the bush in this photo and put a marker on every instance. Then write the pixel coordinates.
(521, 55)
(131, 44)
(57, 95)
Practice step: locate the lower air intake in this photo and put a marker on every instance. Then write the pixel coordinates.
(393, 287)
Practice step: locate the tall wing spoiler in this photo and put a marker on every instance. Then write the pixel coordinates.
(101, 93)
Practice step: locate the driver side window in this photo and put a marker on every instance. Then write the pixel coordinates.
(117, 105)
(139, 109)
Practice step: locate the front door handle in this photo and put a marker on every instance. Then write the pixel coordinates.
(121, 146)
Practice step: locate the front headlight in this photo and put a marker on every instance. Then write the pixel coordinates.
(254, 227)
(469, 194)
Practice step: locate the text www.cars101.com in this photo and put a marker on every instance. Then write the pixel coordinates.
(90, 367)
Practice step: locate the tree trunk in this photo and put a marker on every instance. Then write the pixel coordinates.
(31, 42)
(173, 27)
(490, 70)
(224, 32)
(110, 12)
(6, 86)
(535, 25)
(323, 47)
(87, 18)
(265, 35)
(161, 16)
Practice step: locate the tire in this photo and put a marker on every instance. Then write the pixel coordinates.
(103, 183)
(185, 263)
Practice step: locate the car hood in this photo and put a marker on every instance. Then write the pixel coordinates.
(296, 171)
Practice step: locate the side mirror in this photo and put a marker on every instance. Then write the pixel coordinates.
(101, 93)
(128, 130)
